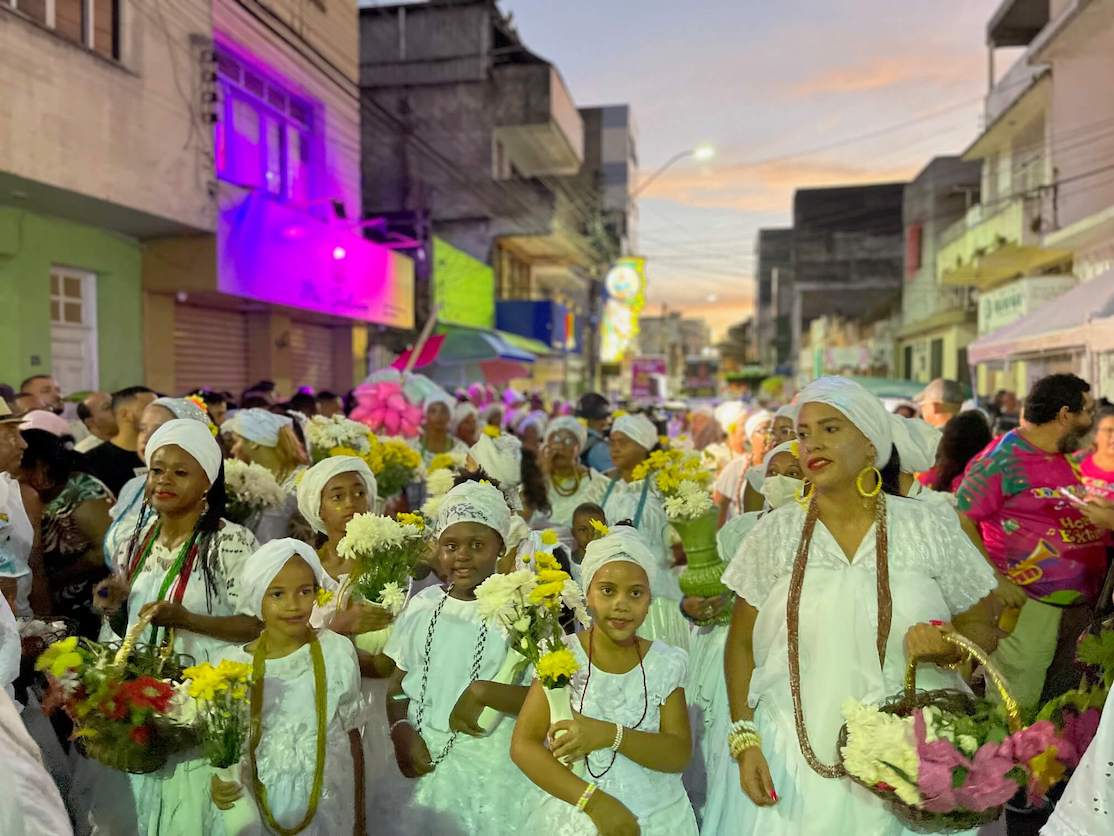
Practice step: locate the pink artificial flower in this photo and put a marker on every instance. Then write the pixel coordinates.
(987, 784)
(1026, 744)
(1076, 735)
(936, 763)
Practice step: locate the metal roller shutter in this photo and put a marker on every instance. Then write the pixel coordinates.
(210, 349)
(311, 355)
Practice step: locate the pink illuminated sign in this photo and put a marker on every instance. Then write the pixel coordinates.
(275, 253)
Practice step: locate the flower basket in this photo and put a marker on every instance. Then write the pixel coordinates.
(955, 702)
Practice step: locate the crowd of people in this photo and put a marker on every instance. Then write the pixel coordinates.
(854, 537)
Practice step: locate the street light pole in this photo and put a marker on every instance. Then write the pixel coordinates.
(700, 152)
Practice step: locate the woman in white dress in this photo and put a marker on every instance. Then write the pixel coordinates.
(632, 439)
(568, 483)
(833, 594)
(465, 423)
(182, 568)
(629, 740)
(435, 438)
(737, 480)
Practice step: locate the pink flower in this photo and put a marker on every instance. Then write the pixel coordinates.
(937, 763)
(1078, 732)
(1026, 744)
(987, 784)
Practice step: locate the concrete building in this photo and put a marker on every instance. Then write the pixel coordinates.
(774, 304)
(463, 121)
(174, 180)
(937, 322)
(1045, 221)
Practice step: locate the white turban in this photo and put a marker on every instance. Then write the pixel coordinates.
(183, 408)
(478, 502)
(916, 442)
(860, 407)
(567, 423)
(757, 420)
(259, 425)
(439, 395)
(260, 569)
(639, 429)
(500, 458)
(788, 411)
(792, 447)
(537, 419)
(461, 412)
(728, 414)
(317, 477)
(622, 544)
(193, 437)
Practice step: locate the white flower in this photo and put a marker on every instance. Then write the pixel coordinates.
(369, 533)
(500, 596)
(572, 596)
(880, 748)
(432, 506)
(252, 485)
(323, 434)
(393, 597)
(439, 482)
(522, 624)
(689, 502)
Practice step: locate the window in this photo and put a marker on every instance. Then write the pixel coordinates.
(264, 138)
(91, 23)
(914, 234)
(908, 365)
(936, 367)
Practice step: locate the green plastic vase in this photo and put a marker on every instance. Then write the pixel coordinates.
(701, 576)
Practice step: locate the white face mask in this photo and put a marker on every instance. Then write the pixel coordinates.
(781, 490)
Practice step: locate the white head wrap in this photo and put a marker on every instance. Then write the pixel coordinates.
(317, 477)
(639, 429)
(537, 419)
(461, 412)
(193, 437)
(861, 408)
(622, 544)
(182, 408)
(788, 411)
(500, 458)
(568, 424)
(792, 447)
(478, 502)
(439, 395)
(757, 420)
(260, 569)
(259, 425)
(729, 413)
(916, 442)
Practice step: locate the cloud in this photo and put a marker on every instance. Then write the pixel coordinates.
(882, 72)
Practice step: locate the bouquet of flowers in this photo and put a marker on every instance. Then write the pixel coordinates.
(328, 436)
(385, 552)
(682, 480)
(126, 712)
(252, 489)
(395, 464)
(446, 461)
(946, 762)
(525, 606)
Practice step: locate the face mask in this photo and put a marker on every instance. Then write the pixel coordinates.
(781, 490)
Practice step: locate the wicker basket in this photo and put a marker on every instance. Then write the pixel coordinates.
(958, 702)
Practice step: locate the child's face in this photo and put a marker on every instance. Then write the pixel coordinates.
(289, 599)
(582, 530)
(468, 554)
(619, 599)
(344, 496)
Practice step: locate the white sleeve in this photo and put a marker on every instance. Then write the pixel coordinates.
(728, 479)
(762, 558)
(345, 677)
(960, 570)
(235, 546)
(398, 643)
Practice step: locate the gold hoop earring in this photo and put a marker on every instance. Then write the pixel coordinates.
(805, 493)
(877, 484)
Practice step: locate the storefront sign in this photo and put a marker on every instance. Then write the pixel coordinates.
(274, 253)
(463, 287)
(626, 288)
(1007, 304)
(645, 372)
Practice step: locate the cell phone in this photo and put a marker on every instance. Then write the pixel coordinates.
(1067, 494)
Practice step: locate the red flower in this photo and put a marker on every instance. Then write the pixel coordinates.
(141, 735)
(114, 708)
(147, 693)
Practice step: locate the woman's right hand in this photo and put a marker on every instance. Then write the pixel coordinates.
(110, 594)
(754, 777)
(411, 753)
(224, 793)
(359, 617)
(610, 817)
(1010, 594)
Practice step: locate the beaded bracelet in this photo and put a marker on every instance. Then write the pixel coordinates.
(738, 742)
(585, 797)
(743, 725)
(618, 738)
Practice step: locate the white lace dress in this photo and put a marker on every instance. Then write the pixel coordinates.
(656, 799)
(476, 789)
(934, 572)
(591, 488)
(288, 748)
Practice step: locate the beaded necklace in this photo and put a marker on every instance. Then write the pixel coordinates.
(584, 693)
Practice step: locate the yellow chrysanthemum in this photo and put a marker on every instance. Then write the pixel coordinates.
(344, 451)
(442, 461)
(556, 667)
(324, 596)
(491, 432)
(546, 576)
(547, 593)
(410, 519)
(234, 671)
(599, 527)
(549, 537)
(544, 560)
(1046, 769)
(60, 658)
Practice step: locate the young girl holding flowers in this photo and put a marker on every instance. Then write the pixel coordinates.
(631, 723)
(446, 656)
(305, 756)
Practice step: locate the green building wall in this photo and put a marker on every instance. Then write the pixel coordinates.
(29, 245)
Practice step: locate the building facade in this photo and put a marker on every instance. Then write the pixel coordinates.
(774, 298)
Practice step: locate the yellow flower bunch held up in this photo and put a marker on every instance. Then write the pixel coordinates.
(556, 668)
(682, 479)
(222, 693)
(61, 658)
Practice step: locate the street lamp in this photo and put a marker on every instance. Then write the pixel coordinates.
(700, 153)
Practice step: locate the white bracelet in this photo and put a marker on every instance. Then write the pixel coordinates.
(395, 725)
(618, 738)
(743, 725)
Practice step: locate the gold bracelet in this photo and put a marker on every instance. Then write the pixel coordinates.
(739, 741)
(585, 797)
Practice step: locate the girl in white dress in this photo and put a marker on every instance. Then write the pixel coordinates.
(306, 766)
(183, 569)
(630, 723)
(633, 437)
(264, 438)
(568, 483)
(446, 656)
(833, 594)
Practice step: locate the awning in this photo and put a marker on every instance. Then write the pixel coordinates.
(460, 346)
(1058, 325)
(535, 347)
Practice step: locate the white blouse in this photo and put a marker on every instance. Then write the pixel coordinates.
(561, 508)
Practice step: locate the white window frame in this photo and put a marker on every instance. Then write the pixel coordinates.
(88, 10)
(88, 280)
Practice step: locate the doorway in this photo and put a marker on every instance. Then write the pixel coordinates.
(73, 329)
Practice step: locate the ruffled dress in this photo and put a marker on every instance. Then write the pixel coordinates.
(287, 749)
(657, 799)
(934, 572)
(476, 788)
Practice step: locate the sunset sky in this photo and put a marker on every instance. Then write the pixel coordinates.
(792, 93)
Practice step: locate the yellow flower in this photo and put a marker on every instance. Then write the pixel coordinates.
(1047, 770)
(547, 593)
(60, 658)
(234, 671)
(619, 413)
(556, 667)
(547, 576)
(344, 451)
(549, 537)
(544, 560)
(442, 461)
(204, 680)
(410, 519)
(324, 596)
(491, 432)
(599, 527)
